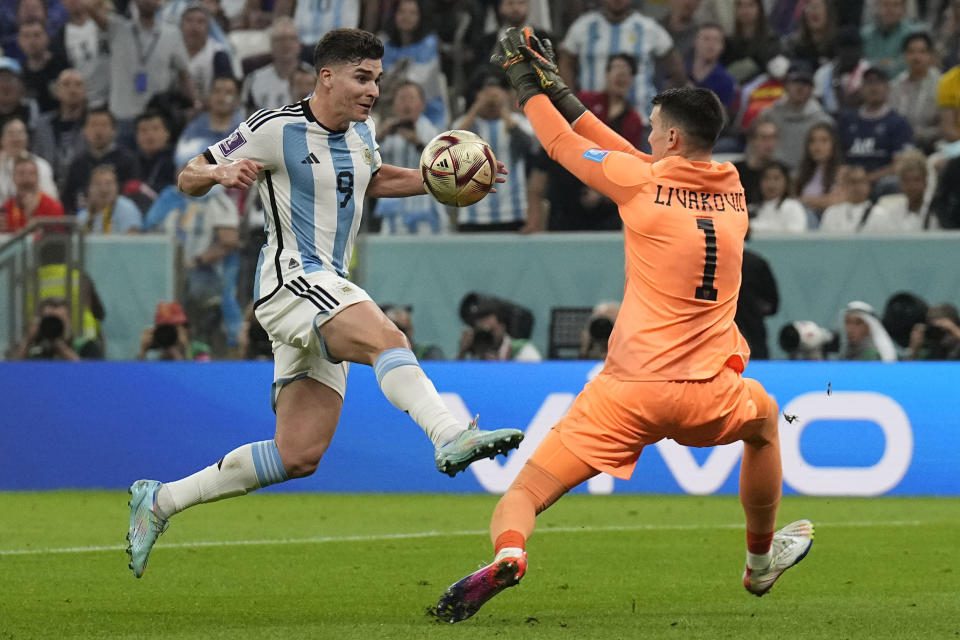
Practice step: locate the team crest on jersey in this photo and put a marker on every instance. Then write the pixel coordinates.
(597, 155)
(346, 289)
(367, 155)
(231, 144)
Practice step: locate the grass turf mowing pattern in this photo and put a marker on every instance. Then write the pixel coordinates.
(671, 571)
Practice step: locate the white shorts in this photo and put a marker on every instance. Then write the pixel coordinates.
(292, 315)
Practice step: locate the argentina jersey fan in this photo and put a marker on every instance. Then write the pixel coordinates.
(312, 185)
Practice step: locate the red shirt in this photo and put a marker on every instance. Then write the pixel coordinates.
(16, 218)
(629, 124)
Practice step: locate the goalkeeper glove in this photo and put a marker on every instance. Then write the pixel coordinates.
(521, 74)
(541, 57)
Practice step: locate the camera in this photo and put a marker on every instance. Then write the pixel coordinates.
(806, 340)
(600, 329)
(518, 320)
(164, 336)
(51, 328)
(483, 342)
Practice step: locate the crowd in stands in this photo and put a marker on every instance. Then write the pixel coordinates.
(844, 117)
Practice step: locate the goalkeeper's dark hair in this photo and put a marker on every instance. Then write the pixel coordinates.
(696, 111)
(340, 46)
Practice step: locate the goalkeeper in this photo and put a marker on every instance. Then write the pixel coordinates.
(675, 361)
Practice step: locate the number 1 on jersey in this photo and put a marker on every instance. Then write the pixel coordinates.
(706, 291)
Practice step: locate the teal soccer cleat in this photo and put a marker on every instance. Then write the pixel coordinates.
(145, 525)
(474, 444)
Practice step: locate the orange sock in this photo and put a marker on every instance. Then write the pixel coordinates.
(759, 543)
(509, 538)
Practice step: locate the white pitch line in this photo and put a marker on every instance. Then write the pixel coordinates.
(434, 534)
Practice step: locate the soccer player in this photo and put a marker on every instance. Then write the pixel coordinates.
(675, 357)
(313, 162)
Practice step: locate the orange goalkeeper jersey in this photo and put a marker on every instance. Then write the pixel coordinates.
(684, 224)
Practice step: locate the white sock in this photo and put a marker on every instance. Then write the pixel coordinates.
(759, 560)
(244, 469)
(509, 552)
(409, 389)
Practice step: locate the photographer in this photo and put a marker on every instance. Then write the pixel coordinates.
(169, 337)
(596, 333)
(51, 337)
(939, 337)
(487, 339)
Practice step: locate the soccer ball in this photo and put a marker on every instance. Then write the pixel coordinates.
(458, 168)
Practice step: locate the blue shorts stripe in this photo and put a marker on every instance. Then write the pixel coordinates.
(391, 359)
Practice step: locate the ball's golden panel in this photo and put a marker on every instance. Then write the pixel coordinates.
(458, 168)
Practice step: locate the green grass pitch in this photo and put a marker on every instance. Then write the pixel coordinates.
(370, 566)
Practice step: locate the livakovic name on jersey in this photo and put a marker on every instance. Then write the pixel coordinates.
(700, 200)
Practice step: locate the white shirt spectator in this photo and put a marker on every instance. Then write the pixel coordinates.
(121, 217)
(315, 17)
(593, 40)
(845, 217)
(265, 89)
(44, 172)
(892, 214)
(788, 216)
(87, 51)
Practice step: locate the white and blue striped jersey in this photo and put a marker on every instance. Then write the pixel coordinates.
(592, 39)
(512, 148)
(315, 17)
(312, 185)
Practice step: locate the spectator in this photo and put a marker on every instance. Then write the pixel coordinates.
(207, 231)
(752, 43)
(511, 13)
(908, 210)
(223, 116)
(596, 333)
(939, 337)
(864, 335)
(86, 49)
(849, 215)
(28, 200)
(269, 87)
(883, 38)
(761, 149)
(206, 58)
(682, 26)
(402, 137)
(253, 342)
(40, 66)
(411, 52)
(758, 299)
(837, 83)
(901, 313)
(946, 199)
(795, 114)
(948, 103)
(596, 35)
(147, 59)
(817, 185)
(107, 212)
(913, 93)
(58, 137)
(612, 105)
(815, 40)
(51, 337)
(704, 68)
(572, 205)
(99, 132)
(169, 338)
(760, 93)
(154, 153)
(947, 34)
(873, 134)
(14, 103)
(512, 140)
(302, 82)
(13, 144)
(779, 213)
(313, 19)
(487, 339)
(402, 317)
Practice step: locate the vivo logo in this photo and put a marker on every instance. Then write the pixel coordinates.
(707, 478)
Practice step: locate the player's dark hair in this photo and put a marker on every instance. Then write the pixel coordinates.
(626, 57)
(917, 35)
(151, 114)
(346, 45)
(696, 111)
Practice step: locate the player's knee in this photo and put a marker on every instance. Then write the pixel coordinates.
(304, 462)
(769, 430)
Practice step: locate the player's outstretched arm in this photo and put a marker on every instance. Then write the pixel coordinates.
(395, 182)
(571, 150)
(199, 176)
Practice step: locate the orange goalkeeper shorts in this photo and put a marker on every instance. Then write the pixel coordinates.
(612, 420)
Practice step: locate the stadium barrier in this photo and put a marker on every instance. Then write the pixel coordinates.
(860, 428)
